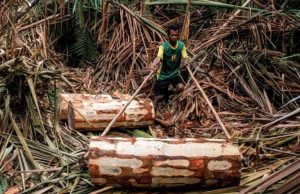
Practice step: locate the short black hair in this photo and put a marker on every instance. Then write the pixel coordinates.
(172, 27)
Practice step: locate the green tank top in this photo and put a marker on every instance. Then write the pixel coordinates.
(171, 61)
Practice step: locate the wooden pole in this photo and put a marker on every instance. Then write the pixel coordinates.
(186, 23)
(209, 104)
(126, 105)
(142, 7)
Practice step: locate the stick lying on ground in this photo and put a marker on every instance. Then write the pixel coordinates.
(209, 103)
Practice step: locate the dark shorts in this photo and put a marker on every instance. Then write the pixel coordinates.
(161, 86)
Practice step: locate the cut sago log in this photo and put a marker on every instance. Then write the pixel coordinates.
(87, 112)
(79, 100)
(151, 162)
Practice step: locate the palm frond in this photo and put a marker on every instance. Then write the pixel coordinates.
(3, 184)
(203, 3)
(85, 47)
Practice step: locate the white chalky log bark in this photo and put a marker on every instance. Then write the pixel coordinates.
(151, 162)
(94, 112)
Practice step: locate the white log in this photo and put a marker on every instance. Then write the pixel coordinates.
(151, 162)
(94, 112)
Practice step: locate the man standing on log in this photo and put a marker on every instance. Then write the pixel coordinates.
(170, 55)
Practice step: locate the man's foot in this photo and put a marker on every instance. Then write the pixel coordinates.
(156, 100)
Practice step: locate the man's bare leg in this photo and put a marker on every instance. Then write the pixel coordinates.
(179, 88)
(157, 99)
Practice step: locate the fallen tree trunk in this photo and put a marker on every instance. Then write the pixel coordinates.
(78, 100)
(94, 112)
(142, 162)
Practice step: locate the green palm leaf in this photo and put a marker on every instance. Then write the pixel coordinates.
(140, 133)
(3, 184)
(84, 48)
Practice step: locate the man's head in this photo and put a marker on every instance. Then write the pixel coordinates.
(173, 34)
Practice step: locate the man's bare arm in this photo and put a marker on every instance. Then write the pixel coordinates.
(155, 64)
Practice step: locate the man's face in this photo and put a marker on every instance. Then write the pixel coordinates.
(173, 36)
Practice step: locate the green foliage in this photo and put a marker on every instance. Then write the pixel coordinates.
(3, 184)
(294, 45)
(93, 4)
(140, 133)
(84, 48)
(74, 38)
(293, 4)
(82, 10)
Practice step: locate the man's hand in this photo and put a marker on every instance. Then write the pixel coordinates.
(154, 65)
(186, 61)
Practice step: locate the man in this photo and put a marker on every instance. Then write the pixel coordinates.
(170, 55)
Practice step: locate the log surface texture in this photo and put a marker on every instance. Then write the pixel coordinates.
(94, 112)
(150, 162)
